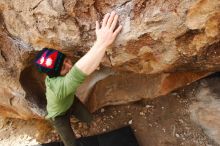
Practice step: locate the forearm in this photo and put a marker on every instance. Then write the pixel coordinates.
(91, 60)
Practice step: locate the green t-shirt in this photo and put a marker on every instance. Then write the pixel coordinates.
(60, 91)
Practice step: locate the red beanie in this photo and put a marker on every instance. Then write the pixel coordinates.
(49, 61)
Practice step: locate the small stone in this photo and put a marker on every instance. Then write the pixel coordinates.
(78, 135)
(142, 113)
(102, 110)
(177, 135)
(104, 130)
(181, 121)
(148, 106)
(174, 93)
(130, 122)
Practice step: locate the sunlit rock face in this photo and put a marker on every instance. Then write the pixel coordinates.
(164, 45)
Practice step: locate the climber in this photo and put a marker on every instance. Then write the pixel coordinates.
(63, 78)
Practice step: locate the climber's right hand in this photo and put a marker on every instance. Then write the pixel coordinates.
(106, 35)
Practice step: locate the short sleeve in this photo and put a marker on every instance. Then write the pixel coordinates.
(71, 81)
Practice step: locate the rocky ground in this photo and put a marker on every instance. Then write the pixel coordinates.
(178, 119)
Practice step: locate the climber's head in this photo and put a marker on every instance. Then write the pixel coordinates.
(52, 62)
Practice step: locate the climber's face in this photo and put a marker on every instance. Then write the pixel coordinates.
(67, 65)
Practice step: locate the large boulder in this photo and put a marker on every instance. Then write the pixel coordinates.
(164, 45)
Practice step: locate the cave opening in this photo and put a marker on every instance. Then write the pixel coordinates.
(33, 84)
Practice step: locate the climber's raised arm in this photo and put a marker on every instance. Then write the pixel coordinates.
(105, 36)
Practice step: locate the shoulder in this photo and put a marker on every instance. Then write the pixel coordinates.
(53, 83)
(75, 73)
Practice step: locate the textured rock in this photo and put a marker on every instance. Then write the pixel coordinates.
(164, 44)
(14, 55)
(128, 87)
(206, 111)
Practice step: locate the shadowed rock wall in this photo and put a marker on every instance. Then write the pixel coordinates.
(164, 44)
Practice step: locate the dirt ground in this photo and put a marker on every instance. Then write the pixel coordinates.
(164, 121)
